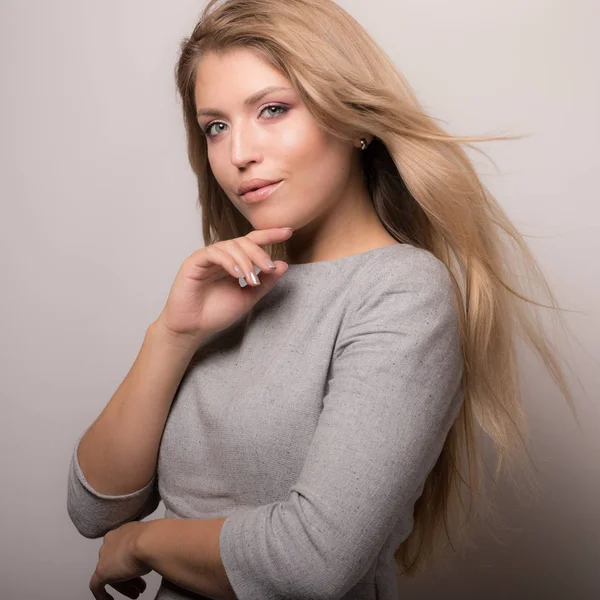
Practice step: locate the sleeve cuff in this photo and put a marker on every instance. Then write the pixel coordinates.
(94, 514)
(143, 491)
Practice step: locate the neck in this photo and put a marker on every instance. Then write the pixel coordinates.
(349, 228)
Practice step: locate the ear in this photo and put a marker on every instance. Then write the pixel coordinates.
(369, 139)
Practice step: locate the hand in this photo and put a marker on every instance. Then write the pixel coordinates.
(117, 564)
(207, 297)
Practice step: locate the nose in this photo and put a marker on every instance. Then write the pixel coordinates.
(244, 145)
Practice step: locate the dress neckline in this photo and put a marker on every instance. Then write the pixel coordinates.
(300, 267)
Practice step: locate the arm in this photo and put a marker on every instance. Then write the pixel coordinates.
(186, 552)
(94, 514)
(112, 473)
(394, 392)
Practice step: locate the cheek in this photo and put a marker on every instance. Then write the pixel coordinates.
(321, 171)
(311, 158)
(218, 166)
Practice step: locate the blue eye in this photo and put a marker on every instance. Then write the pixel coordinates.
(284, 109)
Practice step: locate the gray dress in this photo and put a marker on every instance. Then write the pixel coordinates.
(311, 425)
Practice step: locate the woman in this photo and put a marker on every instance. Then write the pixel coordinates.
(308, 430)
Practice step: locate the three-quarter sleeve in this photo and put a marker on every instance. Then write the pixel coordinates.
(394, 391)
(95, 514)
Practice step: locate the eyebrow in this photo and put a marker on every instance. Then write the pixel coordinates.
(256, 97)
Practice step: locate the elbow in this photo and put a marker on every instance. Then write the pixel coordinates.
(337, 583)
(312, 588)
(89, 524)
(297, 556)
(91, 533)
(94, 515)
(336, 574)
(87, 528)
(341, 569)
(96, 523)
(332, 587)
(86, 525)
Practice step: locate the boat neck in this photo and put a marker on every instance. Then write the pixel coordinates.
(299, 267)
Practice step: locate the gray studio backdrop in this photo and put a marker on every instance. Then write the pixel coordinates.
(98, 211)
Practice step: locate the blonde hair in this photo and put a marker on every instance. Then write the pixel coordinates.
(426, 193)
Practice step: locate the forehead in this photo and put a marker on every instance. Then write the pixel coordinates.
(233, 74)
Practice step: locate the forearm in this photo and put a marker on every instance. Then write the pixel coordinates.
(118, 454)
(186, 552)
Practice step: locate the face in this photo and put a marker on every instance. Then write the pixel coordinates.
(273, 138)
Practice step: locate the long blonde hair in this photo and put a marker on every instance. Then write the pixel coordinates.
(426, 193)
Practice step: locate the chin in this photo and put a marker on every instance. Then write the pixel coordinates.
(266, 217)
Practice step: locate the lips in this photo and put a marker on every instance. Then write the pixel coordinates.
(255, 184)
(254, 189)
(261, 193)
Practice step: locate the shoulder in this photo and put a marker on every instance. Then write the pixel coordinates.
(406, 276)
(402, 304)
(409, 263)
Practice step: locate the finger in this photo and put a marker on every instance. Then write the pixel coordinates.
(97, 588)
(260, 258)
(206, 258)
(127, 588)
(264, 237)
(140, 583)
(224, 260)
(241, 258)
(257, 255)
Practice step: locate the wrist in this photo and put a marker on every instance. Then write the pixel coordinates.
(139, 548)
(178, 341)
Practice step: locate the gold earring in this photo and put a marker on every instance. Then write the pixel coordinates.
(363, 143)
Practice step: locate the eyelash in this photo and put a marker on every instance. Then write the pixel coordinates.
(283, 108)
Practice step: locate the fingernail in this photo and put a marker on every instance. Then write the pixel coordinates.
(270, 264)
(255, 280)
